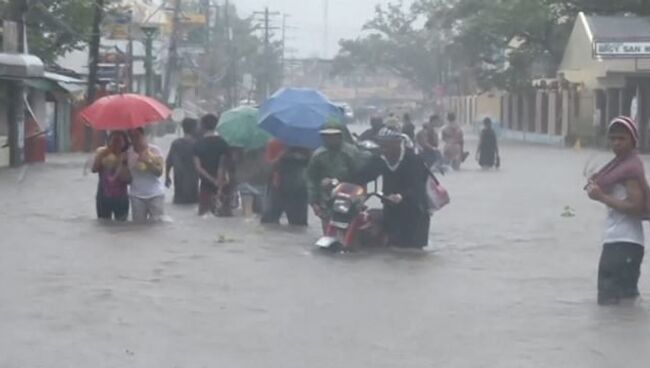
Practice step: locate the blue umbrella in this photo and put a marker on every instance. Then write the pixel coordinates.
(295, 116)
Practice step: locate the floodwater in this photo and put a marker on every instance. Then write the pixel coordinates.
(507, 282)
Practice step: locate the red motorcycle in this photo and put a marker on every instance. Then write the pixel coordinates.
(351, 223)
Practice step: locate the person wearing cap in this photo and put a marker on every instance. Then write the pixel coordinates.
(622, 187)
(406, 217)
(336, 159)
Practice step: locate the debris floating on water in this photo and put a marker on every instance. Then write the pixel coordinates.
(568, 212)
(222, 239)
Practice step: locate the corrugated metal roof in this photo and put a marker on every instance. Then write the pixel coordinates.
(619, 27)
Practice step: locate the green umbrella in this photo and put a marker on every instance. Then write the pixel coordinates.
(239, 128)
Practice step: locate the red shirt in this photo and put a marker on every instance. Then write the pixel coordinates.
(273, 150)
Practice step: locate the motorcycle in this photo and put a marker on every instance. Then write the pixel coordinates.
(352, 224)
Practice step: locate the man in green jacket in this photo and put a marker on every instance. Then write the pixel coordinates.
(337, 159)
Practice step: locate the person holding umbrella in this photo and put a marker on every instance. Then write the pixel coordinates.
(131, 112)
(112, 200)
(287, 187)
(146, 164)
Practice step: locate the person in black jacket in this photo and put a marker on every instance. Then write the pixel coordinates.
(406, 214)
(376, 123)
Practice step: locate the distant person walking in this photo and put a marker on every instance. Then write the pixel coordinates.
(146, 164)
(487, 153)
(408, 127)
(211, 157)
(180, 160)
(454, 150)
(427, 142)
(621, 186)
(112, 199)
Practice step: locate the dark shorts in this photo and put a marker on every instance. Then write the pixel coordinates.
(112, 208)
(619, 271)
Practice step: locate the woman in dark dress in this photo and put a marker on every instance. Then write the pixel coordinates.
(488, 149)
(406, 215)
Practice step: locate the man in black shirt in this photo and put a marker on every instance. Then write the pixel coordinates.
(211, 154)
(376, 123)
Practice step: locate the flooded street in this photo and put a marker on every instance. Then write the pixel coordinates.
(507, 282)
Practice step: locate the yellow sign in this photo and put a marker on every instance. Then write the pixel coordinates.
(120, 32)
(193, 19)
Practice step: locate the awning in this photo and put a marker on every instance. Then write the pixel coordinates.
(68, 84)
(53, 81)
(20, 66)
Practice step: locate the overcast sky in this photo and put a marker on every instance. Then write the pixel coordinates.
(346, 17)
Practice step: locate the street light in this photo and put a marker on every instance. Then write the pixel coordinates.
(149, 31)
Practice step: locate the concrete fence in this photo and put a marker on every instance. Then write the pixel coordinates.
(541, 116)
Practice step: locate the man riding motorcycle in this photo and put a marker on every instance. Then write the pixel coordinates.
(337, 159)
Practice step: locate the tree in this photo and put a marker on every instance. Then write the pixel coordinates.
(55, 27)
(395, 43)
(508, 42)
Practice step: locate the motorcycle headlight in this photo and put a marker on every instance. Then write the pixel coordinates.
(342, 206)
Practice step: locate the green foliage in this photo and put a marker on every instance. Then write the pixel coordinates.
(511, 41)
(55, 27)
(396, 43)
(473, 43)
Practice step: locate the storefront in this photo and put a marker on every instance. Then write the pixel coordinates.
(51, 101)
(14, 70)
(608, 59)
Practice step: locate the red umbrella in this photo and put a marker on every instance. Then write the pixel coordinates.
(123, 112)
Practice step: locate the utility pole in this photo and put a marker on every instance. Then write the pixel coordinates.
(284, 39)
(17, 91)
(267, 49)
(205, 5)
(129, 87)
(326, 30)
(230, 78)
(93, 66)
(93, 52)
(285, 49)
(149, 32)
(266, 72)
(172, 58)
